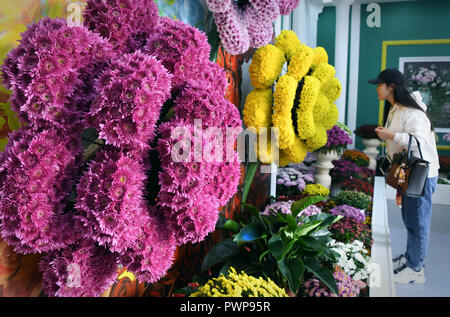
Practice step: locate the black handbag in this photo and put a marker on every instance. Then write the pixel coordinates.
(408, 173)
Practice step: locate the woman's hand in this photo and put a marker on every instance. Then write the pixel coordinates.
(384, 133)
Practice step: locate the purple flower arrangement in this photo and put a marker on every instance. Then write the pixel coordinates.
(337, 140)
(344, 170)
(347, 287)
(247, 23)
(291, 181)
(348, 212)
(135, 81)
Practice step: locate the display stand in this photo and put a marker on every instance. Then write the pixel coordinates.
(381, 280)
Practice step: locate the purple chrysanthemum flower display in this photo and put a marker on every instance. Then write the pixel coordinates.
(52, 71)
(193, 190)
(347, 287)
(246, 24)
(152, 254)
(110, 199)
(124, 23)
(348, 212)
(83, 269)
(182, 49)
(132, 93)
(37, 181)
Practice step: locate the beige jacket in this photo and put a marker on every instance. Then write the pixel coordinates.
(404, 121)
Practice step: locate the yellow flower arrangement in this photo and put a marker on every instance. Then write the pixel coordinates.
(289, 43)
(302, 104)
(323, 72)
(331, 118)
(300, 62)
(317, 140)
(320, 55)
(283, 98)
(258, 108)
(316, 190)
(239, 285)
(266, 66)
(332, 89)
(305, 112)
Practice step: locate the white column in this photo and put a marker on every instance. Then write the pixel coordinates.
(305, 18)
(354, 66)
(341, 51)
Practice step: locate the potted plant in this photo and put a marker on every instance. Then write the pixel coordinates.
(370, 140)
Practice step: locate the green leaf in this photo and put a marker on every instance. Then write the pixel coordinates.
(275, 245)
(213, 40)
(230, 225)
(322, 273)
(301, 204)
(249, 175)
(292, 269)
(307, 227)
(250, 232)
(220, 253)
(317, 245)
(263, 255)
(253, 210)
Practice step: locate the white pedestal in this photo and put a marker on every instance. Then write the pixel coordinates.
(371, 151)
(323, 166)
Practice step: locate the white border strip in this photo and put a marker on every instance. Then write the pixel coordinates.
(381, 281)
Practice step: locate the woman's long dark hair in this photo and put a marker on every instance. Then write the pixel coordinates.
(404, 98)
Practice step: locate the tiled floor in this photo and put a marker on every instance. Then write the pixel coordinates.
(437, 262)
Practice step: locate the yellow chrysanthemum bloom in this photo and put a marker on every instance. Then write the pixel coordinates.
(331, 118)
(320, 55)
(300, 62)
(263, 147)
(284, 158)
(288, 42)
(316, 190)
(297, 152)
(305, 113)
(283, 98)
(323, 72)
(239, 285)
(266, 66)
(321, 107)
(318, 140)
(332, 89)
(258, 108)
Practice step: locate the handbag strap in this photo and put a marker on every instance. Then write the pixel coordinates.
(409, 146)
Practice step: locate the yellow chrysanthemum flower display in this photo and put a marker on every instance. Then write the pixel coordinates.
(283, 98)
(316, 190)
(239, 285)
(301, 62)
(258, 108)
(289, 43)
(266, 66)
(302, 104)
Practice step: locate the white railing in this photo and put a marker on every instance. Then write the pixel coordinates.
(381, 281)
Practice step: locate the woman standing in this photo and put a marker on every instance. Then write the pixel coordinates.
(405, 114)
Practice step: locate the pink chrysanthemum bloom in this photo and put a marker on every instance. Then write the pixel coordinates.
(347, 287)
(124, 23)
(152, 254)
(80, 270)
(110, 200)
(132, 94)
(52, 71)
(38, 171)
(286, 6)
(182, 49)
(245, 24)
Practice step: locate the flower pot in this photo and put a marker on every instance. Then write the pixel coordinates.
(323, 166)
(371, 151)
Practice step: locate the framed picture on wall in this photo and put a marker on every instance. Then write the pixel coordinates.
(431, 77)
